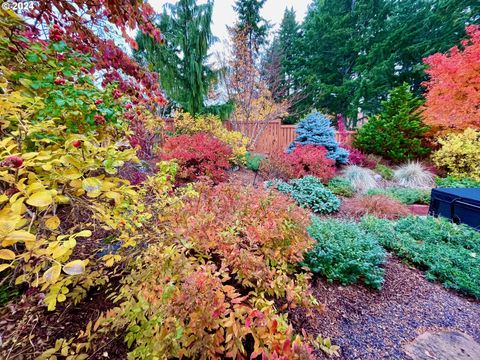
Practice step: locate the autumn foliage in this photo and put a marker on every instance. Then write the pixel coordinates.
(199, 155)
(453, 90)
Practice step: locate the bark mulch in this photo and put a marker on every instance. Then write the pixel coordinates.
(369, 324)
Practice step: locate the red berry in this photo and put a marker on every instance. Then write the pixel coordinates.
(77, 143)
(98, 101)
(59, 81)
(99, 119)
(13, 161)
(128, 106)
(116, 93)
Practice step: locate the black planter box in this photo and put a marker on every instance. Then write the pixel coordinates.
(462, 206)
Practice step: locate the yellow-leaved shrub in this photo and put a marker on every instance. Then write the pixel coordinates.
(185, 123)
(460, 154)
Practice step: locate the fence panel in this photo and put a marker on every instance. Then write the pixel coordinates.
(275, 137)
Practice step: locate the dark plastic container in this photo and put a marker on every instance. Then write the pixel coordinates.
(462, 206)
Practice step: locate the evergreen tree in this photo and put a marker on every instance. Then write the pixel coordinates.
(317, 130)
(288, 35)
(182, 60)
(397, 132)
(250, 21)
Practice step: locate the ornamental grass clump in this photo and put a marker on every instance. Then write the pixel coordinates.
(378, 205)
(310, 193)
(345, 253)
(362, 179)
(413, 175)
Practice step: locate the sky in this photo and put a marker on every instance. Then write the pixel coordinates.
(224, 15)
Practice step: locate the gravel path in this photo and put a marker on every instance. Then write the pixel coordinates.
(368, 324)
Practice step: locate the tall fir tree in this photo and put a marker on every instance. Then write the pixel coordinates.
(252, 23)
(182, 60)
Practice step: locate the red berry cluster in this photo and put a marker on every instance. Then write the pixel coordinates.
(99, 119)
(12, 161)
(56, 33)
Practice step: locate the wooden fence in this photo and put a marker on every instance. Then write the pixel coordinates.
(275, 137)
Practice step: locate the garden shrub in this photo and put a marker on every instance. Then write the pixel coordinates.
(378, 205)
(407, 196)
(396, 133)
(198, 155)
(344, 252)
(447, 252)
(206, 288)
(311, 160)
(309, 192)
(341, 186)
(253, 161)
(186, 124)
(413, 174)
(460, 154)
(303, 160)
(453, 182)
(357, 157)
(384, 171)
(361, 179)
(316, 130)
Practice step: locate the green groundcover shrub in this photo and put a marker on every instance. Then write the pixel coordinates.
(341, 186)
(384, 171)
(453, 182)
(448, 253)
(345, 253)
(407, 196)
(310, 193)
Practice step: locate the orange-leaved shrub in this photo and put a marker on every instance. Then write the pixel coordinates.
(380, 206)
(207, 289)
(198, 155)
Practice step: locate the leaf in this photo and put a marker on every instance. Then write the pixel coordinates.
(18, 236)
(52, 223)
(51, 275)
(83, 233)
(6, 254)
(4, 267)
(75, 267)
(91, 185)
(40, 199)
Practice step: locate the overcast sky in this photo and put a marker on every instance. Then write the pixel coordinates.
(224, 15)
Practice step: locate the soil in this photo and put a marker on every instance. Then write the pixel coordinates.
(369, 324)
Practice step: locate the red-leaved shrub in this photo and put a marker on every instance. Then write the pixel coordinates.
(198, 155)
(357, 157)
(303, 160)
(380, 206)
(311, 160)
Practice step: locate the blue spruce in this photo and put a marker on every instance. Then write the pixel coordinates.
(316, 129)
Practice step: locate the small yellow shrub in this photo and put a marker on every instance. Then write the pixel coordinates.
(460, 154)
(188, 124)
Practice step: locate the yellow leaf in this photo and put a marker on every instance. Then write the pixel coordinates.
(40, 199)
(52, 223)
(6, 254)
(7, 225)
(59, 252)
(91, 185)
(4, 267)
(18, 236)
(71, 174)
(75, 267)
(51, 275)
(61, 298)
(62, 199)
(83, 233)
(3, 198)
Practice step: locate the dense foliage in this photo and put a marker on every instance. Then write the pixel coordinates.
(460, 154)
(309, 192)
(311, 160)
(316, 130)
(453, 182)
(378, 205)
(453, 88)
(199, 155)
(186, 124)
(396, 133)
(204, 290)
(341, 186)
(344, 252)
(385, 171)
(447, 252)
(407, 196)
(182, 57)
